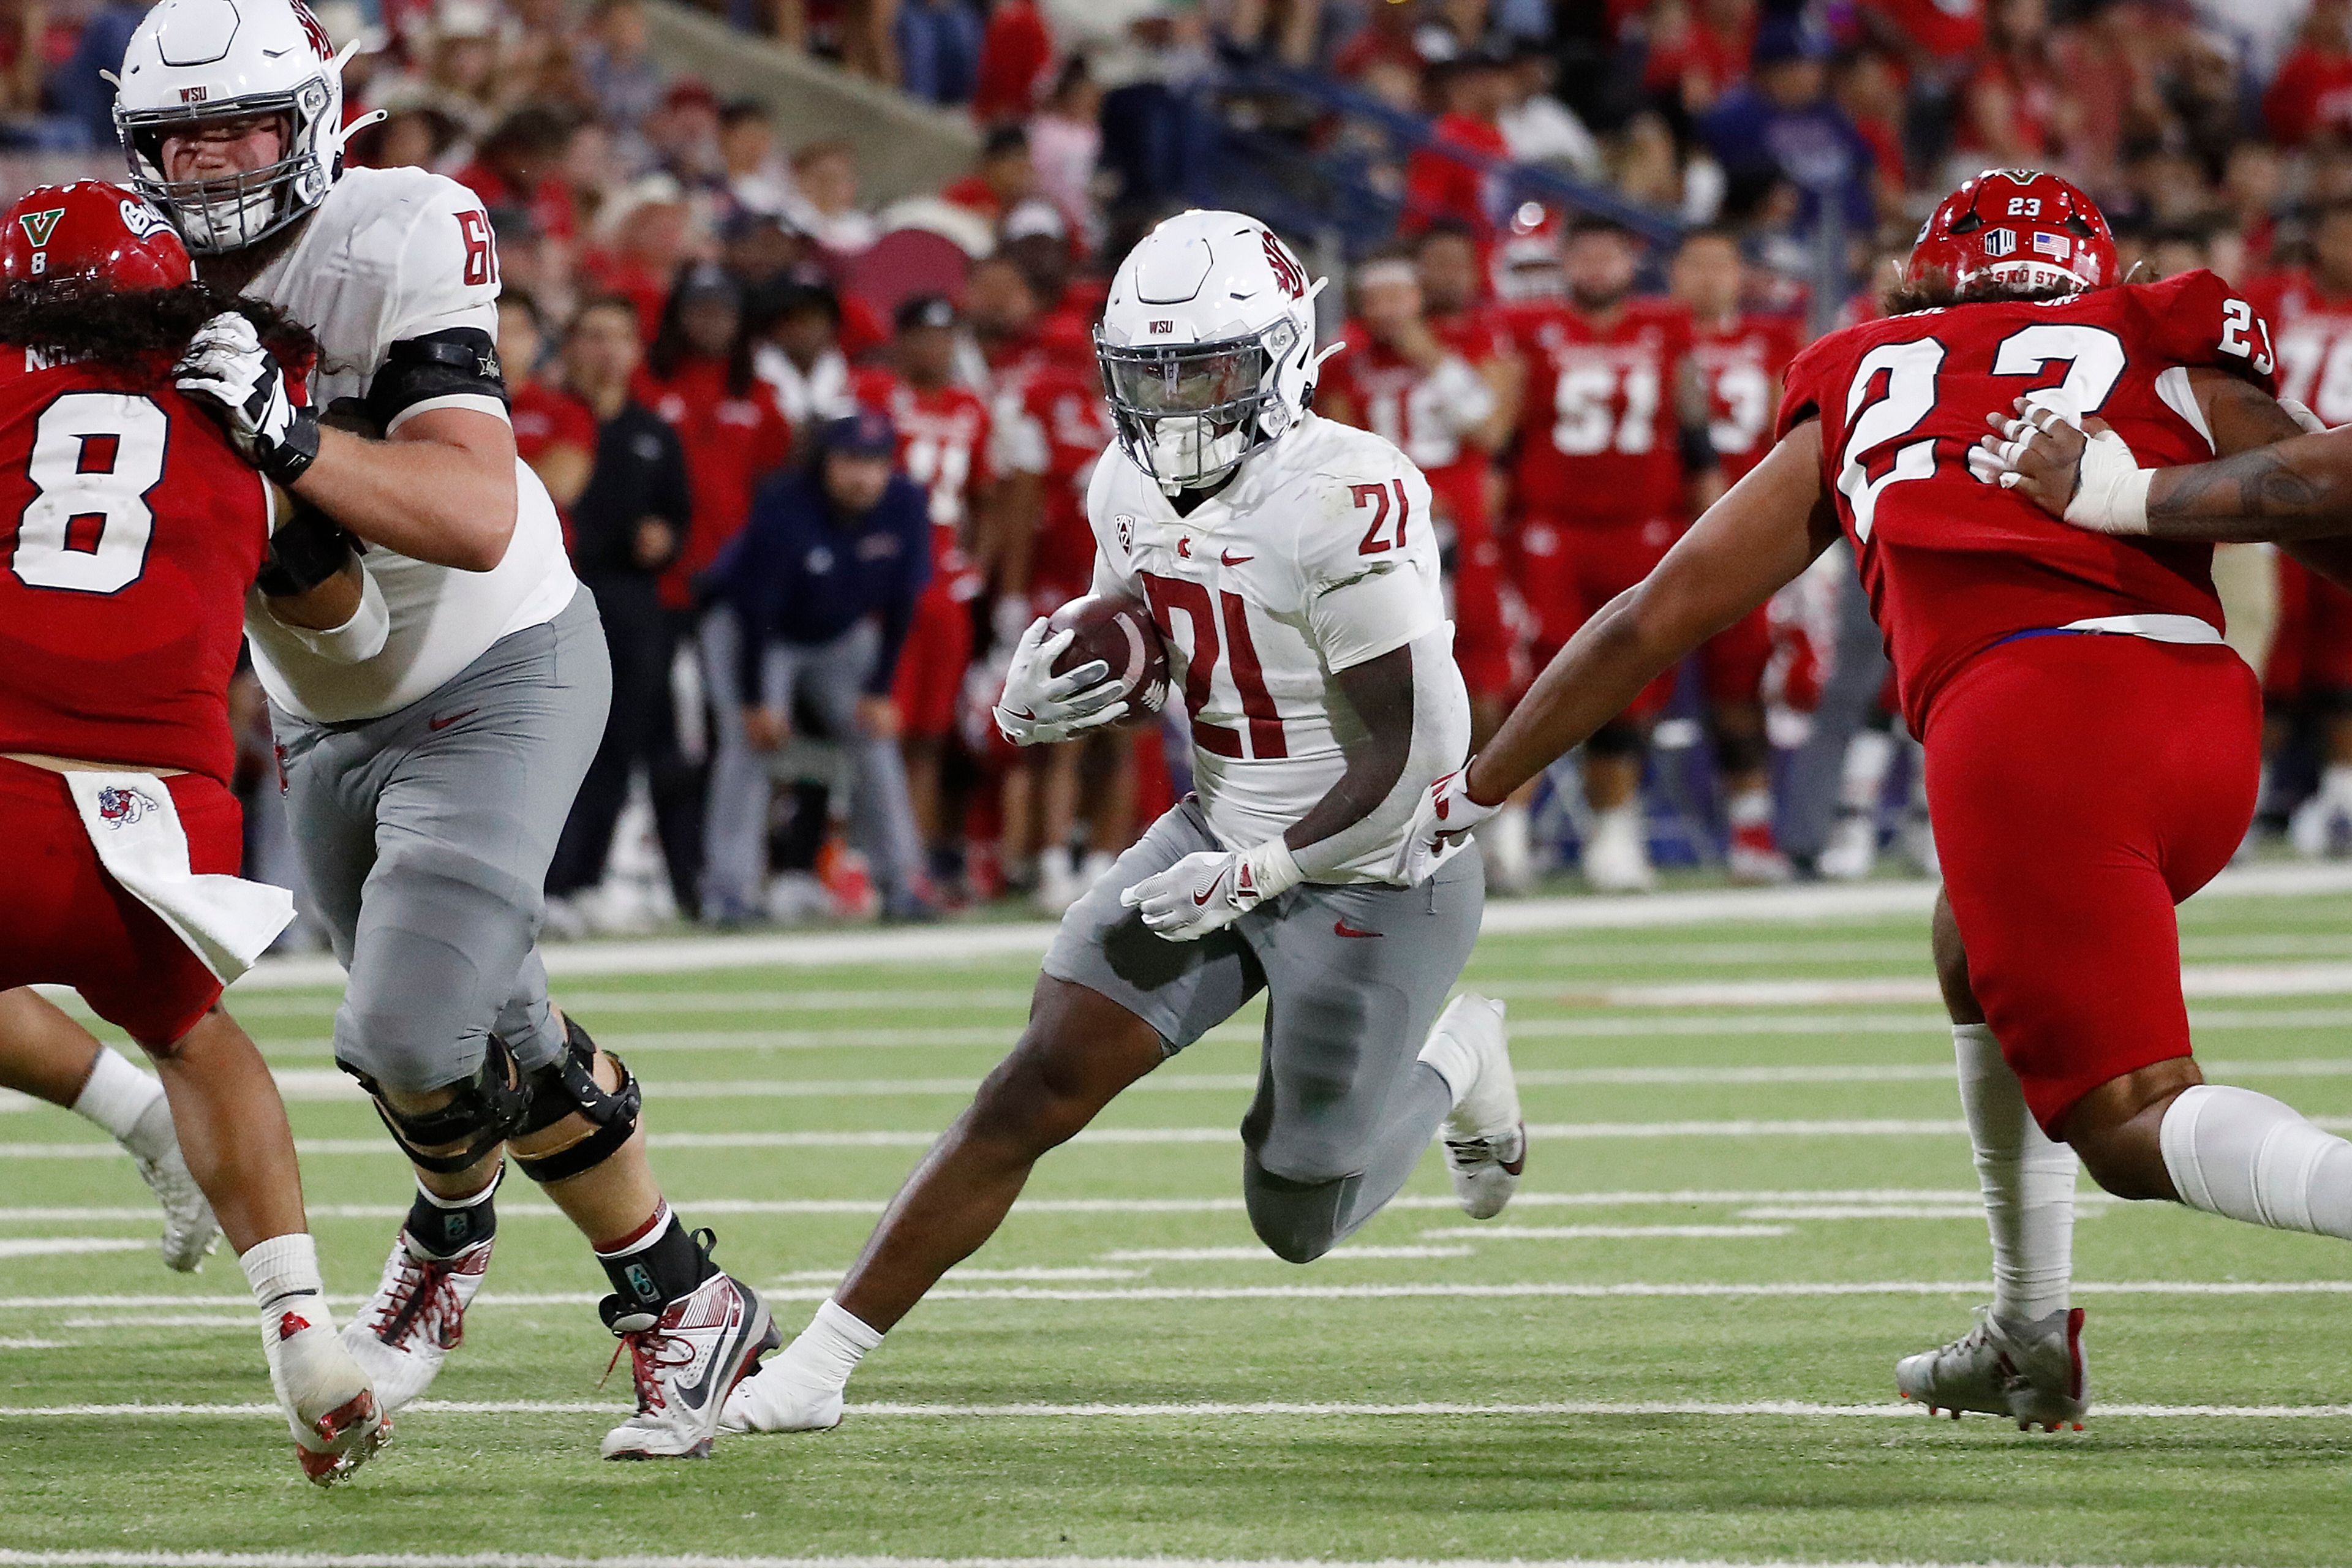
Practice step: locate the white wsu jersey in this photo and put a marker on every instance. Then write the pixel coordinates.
(393, 254)
(1318, 556)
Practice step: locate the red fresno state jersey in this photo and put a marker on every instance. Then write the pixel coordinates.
(732, 442)
(1598, 434)
(130, 532)
(1953, 565)
(1741, 361)
(1059, 430)
(942, 445)
(2313, 332)
(1398, 400)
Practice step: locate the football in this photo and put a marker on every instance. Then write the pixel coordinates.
(1118, 631)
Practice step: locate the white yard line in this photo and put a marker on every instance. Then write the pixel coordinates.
(1428, 1289)
(116, 1558)
(1260, 1255)
(66, 1246)
(1607, 1232)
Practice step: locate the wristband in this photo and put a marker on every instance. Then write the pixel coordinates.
(288, 457)
(308, 550)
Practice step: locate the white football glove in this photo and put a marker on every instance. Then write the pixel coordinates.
(1442, 819)
(1039, 706)
(2110, 487)
(1211, 889)
(241, 382)
(2312, 424)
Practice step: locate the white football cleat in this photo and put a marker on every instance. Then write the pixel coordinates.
(1616, 857)
(1506, 839)
(780, 1397)
(685, 1361)
(336, 1423)
(1852, 852)
(2035, 1374)
(1486, 1136)
(1754, 861)
(2319, 828)
(416, 1317)
(189, 1229)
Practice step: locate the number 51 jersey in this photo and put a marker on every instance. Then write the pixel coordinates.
(1954, 565)
(129, 534)
(1316, 556)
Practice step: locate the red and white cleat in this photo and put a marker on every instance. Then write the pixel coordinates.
(2035, 1373)
(416, 1317)
(330, 1407)
(684, 1361)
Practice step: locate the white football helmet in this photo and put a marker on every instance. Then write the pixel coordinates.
(197, 60)
(1207, 346)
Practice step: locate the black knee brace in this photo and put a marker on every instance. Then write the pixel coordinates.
(483, 1112)
(568, 1086)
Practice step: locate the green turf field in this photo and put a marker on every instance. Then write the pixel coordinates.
(1748, 1195)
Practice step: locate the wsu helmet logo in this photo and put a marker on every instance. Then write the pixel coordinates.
(312, 30)
(1287, 270)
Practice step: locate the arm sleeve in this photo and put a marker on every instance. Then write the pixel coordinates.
(1372, 581)
(441, 320)
(1439, 741)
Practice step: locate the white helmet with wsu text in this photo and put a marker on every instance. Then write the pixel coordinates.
(194, 61)
(1207, 345)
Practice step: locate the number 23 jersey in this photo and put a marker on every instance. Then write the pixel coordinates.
(1954, 565)
(1318, 556)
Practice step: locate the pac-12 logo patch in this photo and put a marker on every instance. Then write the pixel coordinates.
(119, 807)
(1125, 527)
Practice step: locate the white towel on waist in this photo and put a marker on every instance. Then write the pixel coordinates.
(133, 823)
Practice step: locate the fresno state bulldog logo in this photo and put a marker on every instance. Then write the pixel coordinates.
(119, 807)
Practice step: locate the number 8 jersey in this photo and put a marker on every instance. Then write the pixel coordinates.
(1954, 565)
(129, 534)
(1315, 557)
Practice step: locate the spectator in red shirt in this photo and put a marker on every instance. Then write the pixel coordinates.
(1440, 181)
(644, 239)
(698, 378)
(1015, 53)
(518, 165)
(1001, 179)
(2312, 91)
(1692, 64)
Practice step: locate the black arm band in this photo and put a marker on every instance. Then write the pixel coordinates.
(461, 362)
(310, 548)
(1698, 450)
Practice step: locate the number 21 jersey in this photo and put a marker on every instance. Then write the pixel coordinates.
(129, 532)
(1954, 565)
(1316, 556)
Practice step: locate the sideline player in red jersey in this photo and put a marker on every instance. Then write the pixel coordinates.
(1740, 358)
(2310, 313)
(943, 447)
(1048, 437)
(1599, 494)
(137, 530)
(2090, 743)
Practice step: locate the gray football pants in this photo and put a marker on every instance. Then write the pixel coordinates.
(830, 677)
(1355, 975)
(425, 836)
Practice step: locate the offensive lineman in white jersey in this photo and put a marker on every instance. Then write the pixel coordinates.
(1291, 568)
(431, 748)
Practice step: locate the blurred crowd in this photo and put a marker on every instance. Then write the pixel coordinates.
(821, 457)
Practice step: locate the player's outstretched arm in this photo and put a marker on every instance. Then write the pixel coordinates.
(2293, 486)
(1748, 545)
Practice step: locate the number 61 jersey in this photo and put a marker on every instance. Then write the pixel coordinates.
(1316, 556)
(1954, 565)
(129, 534)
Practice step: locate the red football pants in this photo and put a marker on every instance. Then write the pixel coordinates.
(65, 921)
(2080, 786)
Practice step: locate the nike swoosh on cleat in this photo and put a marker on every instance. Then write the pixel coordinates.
(695, 1394)
(437, 725)
(1341, 928)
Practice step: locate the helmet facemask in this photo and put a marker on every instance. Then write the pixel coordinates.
(1188, 414)
(229, 211)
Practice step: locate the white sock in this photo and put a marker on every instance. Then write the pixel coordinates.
(2336, 783)
(1862, 778)
(1749, 807)
(1451, 1059)
(2233, 1152)
(2027, 1184)
(283, 1269)
(1054, 865)
(117, 1096)
(830, 1348)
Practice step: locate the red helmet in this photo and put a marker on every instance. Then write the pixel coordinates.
(91, 230)
(2027, 228)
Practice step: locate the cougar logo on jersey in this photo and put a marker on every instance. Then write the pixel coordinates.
(119, 807)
